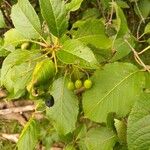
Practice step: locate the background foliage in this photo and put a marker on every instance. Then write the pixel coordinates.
(48, 46)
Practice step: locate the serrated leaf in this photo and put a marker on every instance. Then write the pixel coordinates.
(75, 52)
(138, 132)
(2, 21)
(65, 110)
(73, 5)
(122, 26)
(100, 138)
(17, 70)
(54, 14)
(26, 20)
(115, 89)
(92, 31)
(147, 28)
(29, 136)
(13, 38)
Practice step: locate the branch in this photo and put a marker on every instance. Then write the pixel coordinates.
(17, 109)
(15, 116)
(18, 103)
(79, 91)
(137, 58)
(3, 93)
(144, 50)
(56, 148)
(10, 137)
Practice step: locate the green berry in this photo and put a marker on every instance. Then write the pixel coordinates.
(78, 84)
(70, 85)
(25, 45)
(87, 84)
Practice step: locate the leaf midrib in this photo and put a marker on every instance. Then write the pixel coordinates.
(90, 36)
(28, 20)
(111, 90)
(79, 56)
(54, 18)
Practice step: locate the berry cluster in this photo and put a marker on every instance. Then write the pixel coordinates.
(78, 84)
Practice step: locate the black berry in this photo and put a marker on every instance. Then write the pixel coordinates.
(49, 101)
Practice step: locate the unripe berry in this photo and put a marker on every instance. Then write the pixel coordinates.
(88, 84)
(25, 45)
(78, 84)
(70, 85)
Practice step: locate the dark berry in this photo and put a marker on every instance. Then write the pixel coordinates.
(49, 101)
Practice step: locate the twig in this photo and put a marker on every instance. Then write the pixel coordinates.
(7, 3)
(144, 50)
(15, 116)
(111, 15)
(56, 148)
(37, 115)
(100, 8)
(79, 91)
(3, 93)
(138, 59)
(18, 103)
(138, 30)
(11, 137)
(17, 109)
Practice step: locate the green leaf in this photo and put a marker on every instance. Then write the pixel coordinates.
(116, 88)
(147, 76)
(121, 129)
(100, 138)
(122, 26)
(80, 131)
(2, 21)
(43, 73)
(73, 5)
(142, 8)
(54, 14)
(122, 4)
(92, 31)
(65, 110)
(26, 20)
(17, 70)
(29, 136)
(90, 13)
(13, 38)
(138, 132)
(70, 147)
(75, 52)
(3, 52)
(147, 28)
(106, 4)
(121, 48)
